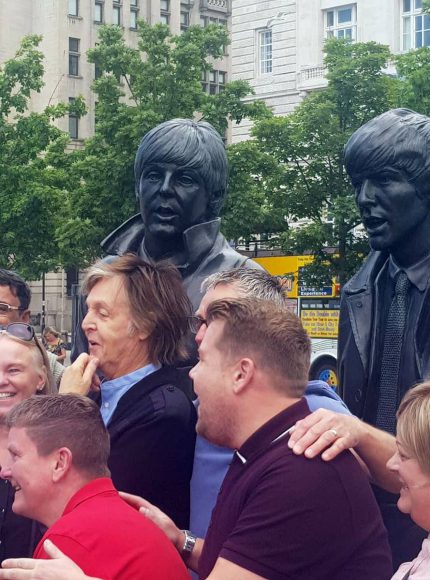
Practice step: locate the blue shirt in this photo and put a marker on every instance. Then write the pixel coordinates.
(112, 391)
(211, 462)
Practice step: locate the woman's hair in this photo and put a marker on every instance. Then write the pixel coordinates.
(51, 330)
(413, 424)
(41, 361)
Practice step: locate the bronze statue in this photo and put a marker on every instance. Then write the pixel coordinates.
(384, 338)
(181, 182)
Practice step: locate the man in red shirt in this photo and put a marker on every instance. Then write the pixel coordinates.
(59, 449)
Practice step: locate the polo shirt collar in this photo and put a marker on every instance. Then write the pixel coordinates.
(274, 430)
(91, 489)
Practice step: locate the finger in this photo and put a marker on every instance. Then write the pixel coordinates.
(325, 442)
(302, 427)
(21, 563)
(52, 551)
(90, 370)
(135, 501)
(81, 362)
(15, 574)
(338, 447)
(312, 435)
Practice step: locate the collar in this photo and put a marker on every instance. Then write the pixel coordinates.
(128, 380)
(274, 430)
(129, 237)
(198, 241)
(93, 488)
(418, 274)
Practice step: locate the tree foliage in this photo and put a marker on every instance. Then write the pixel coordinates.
(33, 167)
(139, 88)
(304, 172)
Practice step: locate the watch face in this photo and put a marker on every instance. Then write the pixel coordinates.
(190, 541)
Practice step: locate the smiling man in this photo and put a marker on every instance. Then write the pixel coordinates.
(181, 182)
(384, 343)
(59, 449)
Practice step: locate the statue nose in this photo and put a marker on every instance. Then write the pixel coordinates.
(366, 194)
(167, 185)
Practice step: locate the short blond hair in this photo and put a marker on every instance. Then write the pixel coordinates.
(413, 424)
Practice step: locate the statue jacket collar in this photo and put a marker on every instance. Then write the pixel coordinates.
(199, 240)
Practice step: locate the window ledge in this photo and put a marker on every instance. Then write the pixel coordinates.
(73, 17)
(75, 76)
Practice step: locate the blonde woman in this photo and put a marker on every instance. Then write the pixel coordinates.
(24, 371)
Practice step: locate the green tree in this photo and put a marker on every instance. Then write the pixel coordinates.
(309, 185)
(32, 167)
(139, 88)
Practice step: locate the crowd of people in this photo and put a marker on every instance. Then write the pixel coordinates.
(186, 438)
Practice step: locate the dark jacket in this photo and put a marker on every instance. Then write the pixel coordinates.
(152, 434)
(357, 341)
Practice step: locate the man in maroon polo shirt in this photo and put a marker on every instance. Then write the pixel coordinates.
(59, 449)
(278, 515)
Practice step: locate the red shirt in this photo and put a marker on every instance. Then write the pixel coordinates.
(110, 540)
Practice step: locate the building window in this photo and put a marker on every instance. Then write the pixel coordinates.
(185, 20)
(415, 25)
(133, 3)
(74, 56)
(213, 81)
(116, 14)
(133, 18)
(165, 11)
(265, 51)
(73, 7)
(205, 20)
(73, 122)
(98, 12)
(341, 22)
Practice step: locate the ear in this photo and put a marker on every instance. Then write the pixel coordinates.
(43, 378)
(62, 463)
(243, 373)
(25, 316)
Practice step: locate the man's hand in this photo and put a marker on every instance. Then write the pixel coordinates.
(81, 376)
(326, 432)
(59, 568)
(175, 535)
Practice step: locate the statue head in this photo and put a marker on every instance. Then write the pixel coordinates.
(388, 162)
(181, 176)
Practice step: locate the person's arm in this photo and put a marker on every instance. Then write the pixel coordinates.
(61, 357)
(60, 567)
(327, 433)
(161, 520)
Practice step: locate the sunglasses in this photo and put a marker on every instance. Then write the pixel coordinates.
(4, 307)
(195, 323)
(19, 330)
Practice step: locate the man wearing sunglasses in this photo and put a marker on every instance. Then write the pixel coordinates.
(15, 297)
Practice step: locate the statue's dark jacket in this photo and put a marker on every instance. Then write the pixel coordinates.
(357, 340)
(207, 252)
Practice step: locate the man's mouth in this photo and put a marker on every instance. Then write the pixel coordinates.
(7, 395)
(16, 487)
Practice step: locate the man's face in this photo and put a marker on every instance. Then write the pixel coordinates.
(108, 328)
(8, 316)
(390, 207)
(220, 292)
(29, 474)
(213, 379)
(172, 198)
(20, 374)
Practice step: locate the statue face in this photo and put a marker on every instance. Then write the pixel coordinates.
(172, 198)
(390, 207)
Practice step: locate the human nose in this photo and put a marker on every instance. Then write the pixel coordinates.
(4, 380)
(5, 472)
(88, 322)
(393, 463)
(366, 194)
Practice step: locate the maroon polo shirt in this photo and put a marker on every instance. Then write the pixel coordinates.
(282, 516)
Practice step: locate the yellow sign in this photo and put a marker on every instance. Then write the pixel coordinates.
(287, 268)
(320, 323)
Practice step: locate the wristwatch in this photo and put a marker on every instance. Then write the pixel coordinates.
(189, 543)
